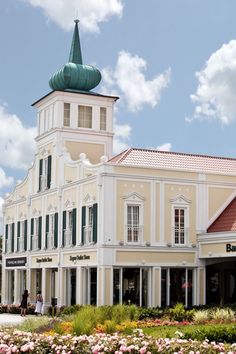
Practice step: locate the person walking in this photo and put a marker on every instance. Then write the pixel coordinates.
(24, 301)
(39, 304)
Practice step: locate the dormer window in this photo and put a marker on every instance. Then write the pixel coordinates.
(103, 118)
(66, 121)
(85, 117)
(45, 173)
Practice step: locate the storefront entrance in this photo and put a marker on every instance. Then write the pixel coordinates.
(130, 286)
(221, 283)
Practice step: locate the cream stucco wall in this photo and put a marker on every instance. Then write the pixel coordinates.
(70, 173)
(214, 249)
(93, 151)
(217, 197)
(142, 257)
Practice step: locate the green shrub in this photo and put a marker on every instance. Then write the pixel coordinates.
(201, 316)
(109, 326)
(70, 310)
(85, 320)
(223, 315)
(145, 313)
(217, 333)
(33, 324)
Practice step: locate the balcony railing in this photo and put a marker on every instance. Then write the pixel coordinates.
(35, 243)
(134, 233)
(68, 237)
(43, 182)
(88, 234)
(181, 235)
(50, 240)
(20, 244)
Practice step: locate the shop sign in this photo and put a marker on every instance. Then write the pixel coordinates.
(43, 260)
(230, 248)
(16, 262)
(80, 257)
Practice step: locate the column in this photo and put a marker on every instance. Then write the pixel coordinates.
(156, 287)
(4, 286)
(79, 286)
(201, 288)
(28, 281)
(44, 283)
(17, 286)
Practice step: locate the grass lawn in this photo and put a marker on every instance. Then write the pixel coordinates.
(169, 331)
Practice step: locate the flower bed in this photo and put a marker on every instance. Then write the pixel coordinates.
(22, 342)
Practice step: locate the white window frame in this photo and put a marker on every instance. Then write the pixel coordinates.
(66, 119)
(84, 119)
(103, 119)
(134, 200)
(180, 203)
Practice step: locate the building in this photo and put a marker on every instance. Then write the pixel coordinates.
(146, 227)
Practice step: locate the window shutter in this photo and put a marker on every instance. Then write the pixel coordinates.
(18, 235)
(49, 171)
(74, 227)
(56, 230)
(31, 233)
(47, 230)
(40, 172)
(95, 210)
(25, 236)
(12, 236)
(83, 222)
(40, 233)
(63, 227)
(6, 237)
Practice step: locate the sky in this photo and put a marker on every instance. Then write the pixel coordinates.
(171, 62)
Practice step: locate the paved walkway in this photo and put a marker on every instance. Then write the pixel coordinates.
(11, 319)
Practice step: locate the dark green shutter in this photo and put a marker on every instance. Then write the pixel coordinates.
(31, 233)
(25, 236)
(6, 237)
(49, 171)
(83, 223)
(47, 230)
(40, 233)
(18, 235)
(56, 230)
(95, 222)
(12, 236)
(74, 227)
(63, 227)
(40, 173)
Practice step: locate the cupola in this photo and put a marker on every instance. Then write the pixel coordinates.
(74, 75)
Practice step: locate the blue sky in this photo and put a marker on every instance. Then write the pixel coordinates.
(172, 62)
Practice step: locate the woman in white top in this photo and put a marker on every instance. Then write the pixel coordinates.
(39, 304)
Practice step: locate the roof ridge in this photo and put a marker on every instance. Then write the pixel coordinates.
(184, 154)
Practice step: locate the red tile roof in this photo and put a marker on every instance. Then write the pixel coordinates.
(226, 221)
(175, 161)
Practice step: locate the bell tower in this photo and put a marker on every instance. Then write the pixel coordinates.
(72, 116)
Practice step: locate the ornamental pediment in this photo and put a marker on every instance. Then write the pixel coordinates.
(89, 198)
(134, 197)
(180, 199)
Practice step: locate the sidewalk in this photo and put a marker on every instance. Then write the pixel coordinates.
(11, 319)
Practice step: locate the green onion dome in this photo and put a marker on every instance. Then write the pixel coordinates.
(74, 75)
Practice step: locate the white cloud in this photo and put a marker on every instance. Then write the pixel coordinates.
(216, 91)
(4, 180)
(122, 134)
(130, 82)
(90, 12)
(1, 216)
(164, 147)
(17, 143)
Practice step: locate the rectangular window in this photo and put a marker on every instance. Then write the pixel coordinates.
(133, 223)
(103, 118)
(179, 226)
(85, 117)
(51, 224)
(66, 115)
